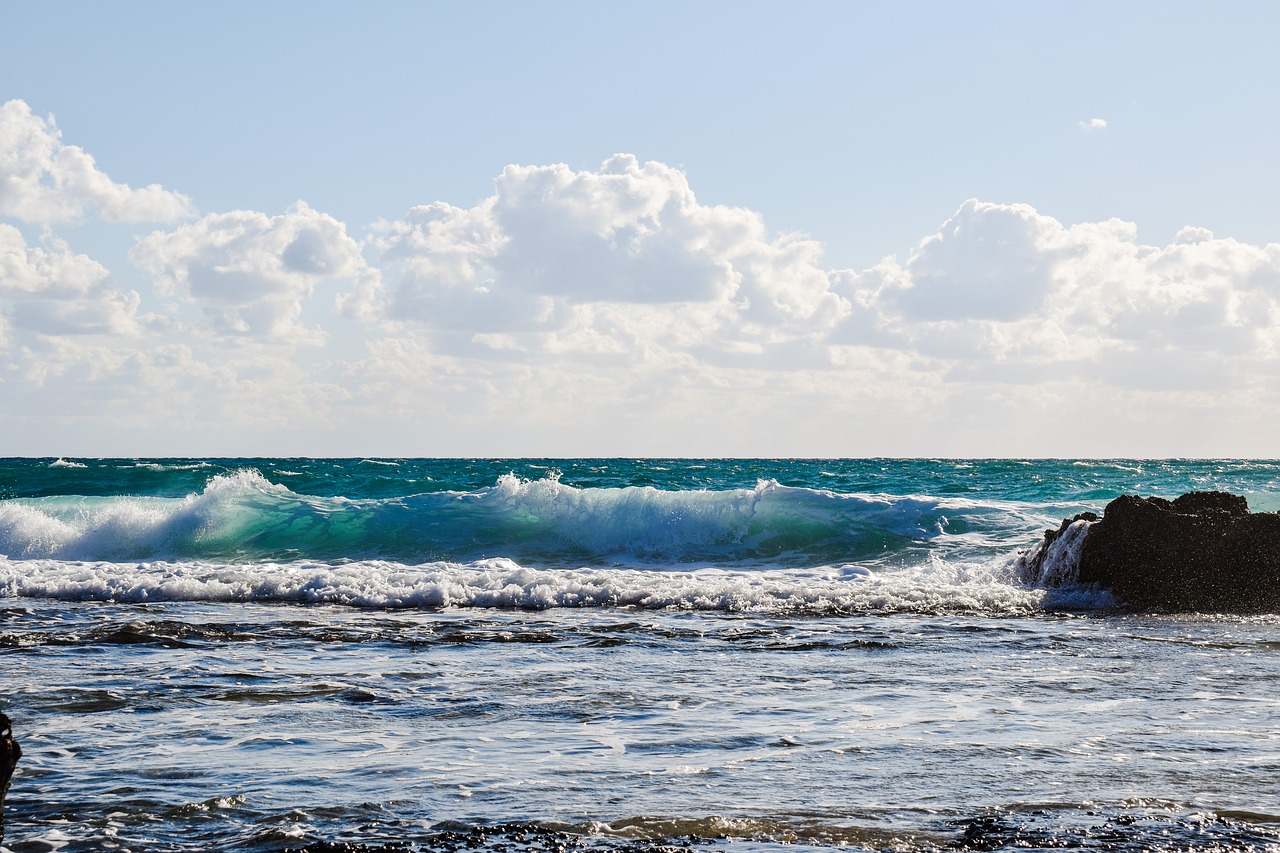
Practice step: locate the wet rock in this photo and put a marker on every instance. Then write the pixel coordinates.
(1055, 561)
(1204, 551)
(1124, 832)
(10, 752)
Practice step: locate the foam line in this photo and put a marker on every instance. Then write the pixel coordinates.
(502, 583)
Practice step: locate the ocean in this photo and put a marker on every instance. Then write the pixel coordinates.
(613, 655)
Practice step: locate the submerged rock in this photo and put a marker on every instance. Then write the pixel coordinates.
(1204, 551)
(10, 752)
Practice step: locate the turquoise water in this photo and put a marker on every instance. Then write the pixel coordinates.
(511, 655)
(558, 513)
(1034, 480)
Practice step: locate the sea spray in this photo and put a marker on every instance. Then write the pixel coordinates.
(1055, 560)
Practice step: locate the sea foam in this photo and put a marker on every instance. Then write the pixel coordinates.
(503, 583)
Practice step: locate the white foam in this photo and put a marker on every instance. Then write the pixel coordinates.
(63, 463)
(1061, 563)
(158, 467)
(501, 583)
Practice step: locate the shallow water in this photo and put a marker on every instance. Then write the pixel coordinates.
(923, 701)
(173, 725)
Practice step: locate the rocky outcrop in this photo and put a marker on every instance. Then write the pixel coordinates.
(1204, 551)
(10, 752)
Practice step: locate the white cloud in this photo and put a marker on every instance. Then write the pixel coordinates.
(53, 291)
(1191, 234)
(622, 258)
(1003, 307)
(251, 273)
(988, 261)
(1094, 124)
(1003, 285)
(26, 270)
(111, 314)
(42, 180)
(606, 311)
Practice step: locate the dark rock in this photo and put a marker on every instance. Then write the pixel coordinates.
(10, 752)
(1204, 551)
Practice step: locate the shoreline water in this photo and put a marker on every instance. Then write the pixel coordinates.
(373, 727)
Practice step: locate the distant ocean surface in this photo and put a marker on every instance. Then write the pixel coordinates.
(613, 654)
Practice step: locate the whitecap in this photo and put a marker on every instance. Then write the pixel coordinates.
(936, 588)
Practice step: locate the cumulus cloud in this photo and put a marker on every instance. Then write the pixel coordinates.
(31, 270)
(44, 181)
(624, 266)
(252, 273)
(987, 261)
(593, 256)
(1002, 285)
(1094, 124)
(622, 269)
(54, 291)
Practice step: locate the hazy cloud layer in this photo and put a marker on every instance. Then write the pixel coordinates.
(44, 181)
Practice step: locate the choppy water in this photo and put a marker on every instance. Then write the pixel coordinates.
(589, 655)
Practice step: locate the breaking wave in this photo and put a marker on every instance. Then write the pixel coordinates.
(533, 544)
(242, 517)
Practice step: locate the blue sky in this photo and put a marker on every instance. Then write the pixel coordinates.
(843, 229)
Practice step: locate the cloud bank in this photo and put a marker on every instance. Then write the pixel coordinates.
(611, 310)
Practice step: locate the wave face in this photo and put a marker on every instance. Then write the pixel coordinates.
(244, 517)
(814, 535)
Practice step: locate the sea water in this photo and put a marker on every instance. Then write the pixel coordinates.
(607, 654)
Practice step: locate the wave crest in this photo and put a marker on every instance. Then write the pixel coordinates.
(105, 528)
(544, 522)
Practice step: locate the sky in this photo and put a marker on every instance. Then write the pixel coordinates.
(839, 229)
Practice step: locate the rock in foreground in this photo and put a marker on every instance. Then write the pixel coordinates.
(10, 752)
(1204, 551)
